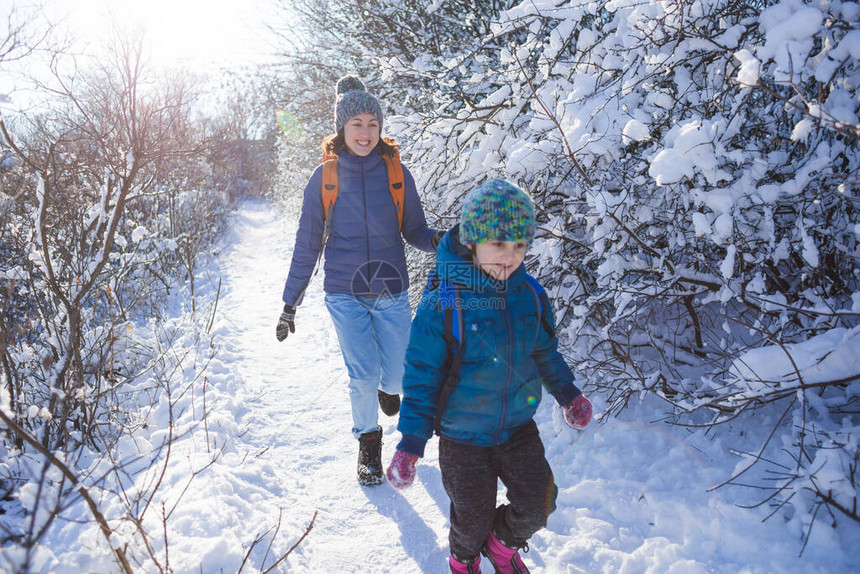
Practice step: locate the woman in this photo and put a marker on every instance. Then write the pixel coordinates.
(366, 280)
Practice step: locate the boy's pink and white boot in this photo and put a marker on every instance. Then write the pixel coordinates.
(504, 559)
(473, 567)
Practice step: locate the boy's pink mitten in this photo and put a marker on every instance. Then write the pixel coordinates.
(577, 413)
(401, 471)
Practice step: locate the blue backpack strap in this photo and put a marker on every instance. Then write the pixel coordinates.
(449, 301)
(452, 309)
(542, 303)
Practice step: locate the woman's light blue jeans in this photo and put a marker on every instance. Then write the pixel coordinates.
(373, 333)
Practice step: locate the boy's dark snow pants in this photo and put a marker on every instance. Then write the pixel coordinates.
(470, 475)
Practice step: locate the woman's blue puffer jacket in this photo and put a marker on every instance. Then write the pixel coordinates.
(507, 356)
(364, 255)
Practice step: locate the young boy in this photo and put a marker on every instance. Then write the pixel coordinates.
(507, 351)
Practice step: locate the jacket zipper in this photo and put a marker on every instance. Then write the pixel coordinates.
(366, 221)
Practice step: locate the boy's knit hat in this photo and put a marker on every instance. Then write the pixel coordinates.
(497, 210)
(353, 99)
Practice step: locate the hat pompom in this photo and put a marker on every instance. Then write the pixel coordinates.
(349, 84)
(354, 99)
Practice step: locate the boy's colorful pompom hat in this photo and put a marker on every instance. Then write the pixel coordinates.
(353, 99)
(497, 210)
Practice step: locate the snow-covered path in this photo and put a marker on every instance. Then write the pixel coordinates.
(633, 496)
(298, 420)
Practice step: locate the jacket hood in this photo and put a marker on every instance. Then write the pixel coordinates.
(454, 264)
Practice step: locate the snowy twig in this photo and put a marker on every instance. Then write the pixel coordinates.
(71, 477)
(214, 307)
(274, 535)
(205, 416)
(552, 118)
(294, 546)
(848, 130)
(166, 540)
(761, 451)
(253, 545)
(827, 498)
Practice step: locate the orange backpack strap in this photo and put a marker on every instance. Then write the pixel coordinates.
(396, 185)
(329, 186)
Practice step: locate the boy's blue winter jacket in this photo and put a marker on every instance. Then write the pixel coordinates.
(364, 254)
(507, 357)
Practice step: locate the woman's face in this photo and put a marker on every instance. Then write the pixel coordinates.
(499, 259)
(361, 133)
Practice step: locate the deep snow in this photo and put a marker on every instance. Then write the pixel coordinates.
(634, 495)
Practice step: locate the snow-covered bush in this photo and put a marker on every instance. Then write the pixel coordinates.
(113, 203)
(695, 165)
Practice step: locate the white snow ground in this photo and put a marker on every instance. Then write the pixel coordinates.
(634, 496)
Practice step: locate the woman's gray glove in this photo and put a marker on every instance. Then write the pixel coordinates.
(287, 323)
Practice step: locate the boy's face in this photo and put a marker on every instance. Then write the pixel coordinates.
(499, 259)
(361, 133)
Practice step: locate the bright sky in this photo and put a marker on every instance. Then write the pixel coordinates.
(199, 32)
(200, 35)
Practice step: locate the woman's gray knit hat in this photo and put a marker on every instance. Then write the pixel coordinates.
(353, 99)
